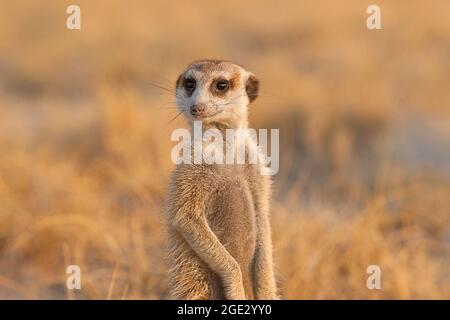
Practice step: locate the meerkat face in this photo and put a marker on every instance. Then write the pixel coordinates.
(216, 91)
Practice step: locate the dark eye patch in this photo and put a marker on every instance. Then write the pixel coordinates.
(221, 86)
(189, 84)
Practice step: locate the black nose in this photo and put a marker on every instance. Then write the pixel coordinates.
(197, 109)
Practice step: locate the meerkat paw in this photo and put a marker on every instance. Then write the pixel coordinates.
(235, 292)
(233, 285)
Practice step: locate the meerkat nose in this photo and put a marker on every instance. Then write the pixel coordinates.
(197, 109)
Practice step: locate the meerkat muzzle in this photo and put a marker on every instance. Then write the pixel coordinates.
(198, 109)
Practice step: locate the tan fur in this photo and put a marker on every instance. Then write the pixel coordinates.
(219, 242)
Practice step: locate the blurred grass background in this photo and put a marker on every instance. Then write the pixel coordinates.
(364, 119)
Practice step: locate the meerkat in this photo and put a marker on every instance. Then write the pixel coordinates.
(219, 237)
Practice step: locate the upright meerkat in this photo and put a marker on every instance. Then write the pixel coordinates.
(219, 240)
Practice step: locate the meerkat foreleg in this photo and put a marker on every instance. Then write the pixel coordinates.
(207, 246)
(265, 286)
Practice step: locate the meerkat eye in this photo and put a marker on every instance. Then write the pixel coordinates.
(222, 85)
(189, 84)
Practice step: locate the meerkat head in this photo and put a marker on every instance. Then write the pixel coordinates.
(216, 91)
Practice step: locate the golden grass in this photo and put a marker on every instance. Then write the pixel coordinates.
(85, 142)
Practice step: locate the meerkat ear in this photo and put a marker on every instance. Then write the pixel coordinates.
(252, 87)
(177, 84)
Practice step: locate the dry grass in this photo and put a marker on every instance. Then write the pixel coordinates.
(363, 118)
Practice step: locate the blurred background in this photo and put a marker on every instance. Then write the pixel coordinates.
(364, 119)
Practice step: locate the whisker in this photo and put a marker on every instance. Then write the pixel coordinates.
(164, 89)
(174, 118)
(160, 85)
(164, 108)
(169, 105)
